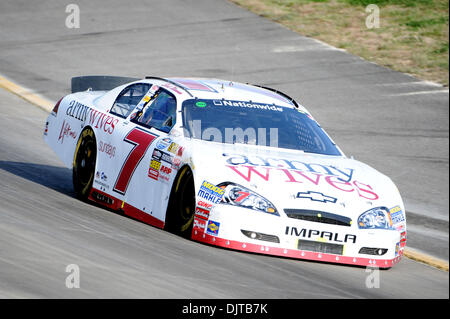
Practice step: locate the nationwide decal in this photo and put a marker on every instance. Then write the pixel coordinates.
(107, 148)
(262, 106)
(210, 192)
(256, 168)
(213, 228)
(95, 118)
(66, 130)
(316, 197)
(320, 235)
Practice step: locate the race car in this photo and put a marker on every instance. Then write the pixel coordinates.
(229, 164)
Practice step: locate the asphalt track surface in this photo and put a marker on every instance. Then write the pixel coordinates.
(393, 122)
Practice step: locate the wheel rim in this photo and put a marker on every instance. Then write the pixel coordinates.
(187, 204)
(86, 162)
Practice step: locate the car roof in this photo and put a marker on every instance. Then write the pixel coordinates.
(205, 88)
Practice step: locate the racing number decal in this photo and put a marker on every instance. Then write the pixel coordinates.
(141, 141)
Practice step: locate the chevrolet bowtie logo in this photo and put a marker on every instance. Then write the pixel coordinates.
(316, 196)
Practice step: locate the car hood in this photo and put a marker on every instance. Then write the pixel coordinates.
(295, 180)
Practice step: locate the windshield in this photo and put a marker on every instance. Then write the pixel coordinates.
(226, 121)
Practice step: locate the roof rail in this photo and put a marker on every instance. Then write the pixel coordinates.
(171, 82)
(278, 92)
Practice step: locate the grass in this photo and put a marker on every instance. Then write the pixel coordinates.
(413, 36)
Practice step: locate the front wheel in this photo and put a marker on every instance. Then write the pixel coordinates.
(84, 164)
(181, 208)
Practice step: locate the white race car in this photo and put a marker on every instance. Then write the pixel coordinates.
(228, 164)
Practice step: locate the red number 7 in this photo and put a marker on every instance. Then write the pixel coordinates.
(141, 141)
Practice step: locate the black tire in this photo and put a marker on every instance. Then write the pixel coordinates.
(84, 164)
(181, 208)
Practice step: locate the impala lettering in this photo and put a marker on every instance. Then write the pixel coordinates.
(316, 234)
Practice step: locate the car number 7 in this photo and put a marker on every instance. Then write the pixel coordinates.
(141, 140)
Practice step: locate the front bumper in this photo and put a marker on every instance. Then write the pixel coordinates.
(232, 227)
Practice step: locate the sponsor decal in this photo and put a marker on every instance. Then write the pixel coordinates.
(172, 87)
(173, 148)
(397, 215)
(204, 205)
(176, 163)
(210, 192)
(165, 173)
(159, 155)
(397, 249)
(213, 228)
(66, 130)
(153, 171)
(316, 197)
(200, 104)
(155, 164)
(249, 104)
(163, 143)
(101, 184)
(199, 224)
(320, 235)
(195, 85)
(202, 213)
(166, 170)
(92, 117)
(46, 128)
(107, 148)
(102, 177)
(253, 168)
(102, 198)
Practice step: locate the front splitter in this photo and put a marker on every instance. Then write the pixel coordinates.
(200, 236)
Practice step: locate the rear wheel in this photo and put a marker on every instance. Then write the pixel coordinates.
(181, 208)
(84, 164)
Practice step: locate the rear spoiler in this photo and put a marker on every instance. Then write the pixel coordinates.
(98, 82)
(280, 93)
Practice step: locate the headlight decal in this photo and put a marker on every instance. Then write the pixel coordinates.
(375, 218)
(241, 196)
